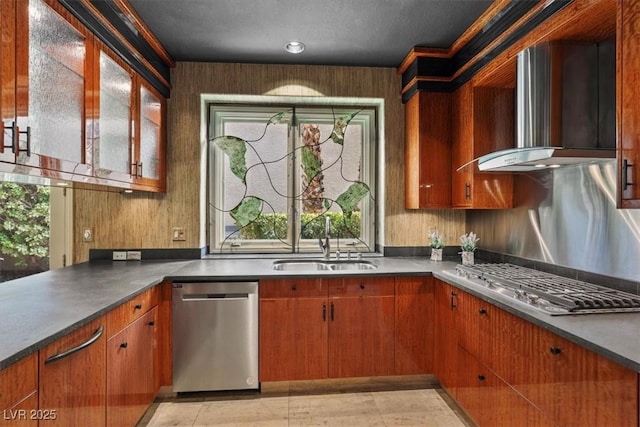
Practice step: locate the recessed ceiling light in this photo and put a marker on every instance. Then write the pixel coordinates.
(294, 47)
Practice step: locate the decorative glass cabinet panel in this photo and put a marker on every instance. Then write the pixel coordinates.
(150, 134)
(113, 131)
(51, 95)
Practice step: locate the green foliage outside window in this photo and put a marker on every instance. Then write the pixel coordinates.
(24, 224)
(274, 226)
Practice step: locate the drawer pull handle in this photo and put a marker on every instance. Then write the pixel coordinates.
(482, 311)
(124, 345)
(324, 312)
(625, 174)
(481, 378)
(361, 286)
(77, 348)
(555, 351)
(151, 323)
(294, 288)
(138, 307)
(332, 312)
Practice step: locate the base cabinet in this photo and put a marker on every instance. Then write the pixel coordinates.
(130, 377)
(351, 327)
(72, 377)
(19, 393)
(508, 371)
(294, 329)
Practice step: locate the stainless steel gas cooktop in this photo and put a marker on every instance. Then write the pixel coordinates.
(551, 294)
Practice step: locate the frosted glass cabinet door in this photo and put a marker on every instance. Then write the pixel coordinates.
(7, 79)
(113, 142)
(151, 152)
(51, 110)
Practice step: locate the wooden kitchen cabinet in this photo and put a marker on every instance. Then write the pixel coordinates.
(362, 324)
(131, 386)
(508, 367)
(326, 328)
(19, 392)
(293, 329)
(46, 70)
(129, 138)
(445, 335)
(414, 325)
(72, 377)
(428, 151)
(482, 122)
(628, 110)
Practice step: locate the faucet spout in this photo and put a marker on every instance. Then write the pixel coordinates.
(326, 245)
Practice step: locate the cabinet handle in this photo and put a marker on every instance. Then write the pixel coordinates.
(139, 170)
(453, 304)
(625, 175)
(481, 378)
(324, 312)
(361, 286)
(482, 311)
(151, 323)
(77, 348)
(294, 287)
(14, 137)
(134, 169)
(138, 307)
(467, 191)
(17, 143)
(124, 345)
(332, 312)
(555, 351)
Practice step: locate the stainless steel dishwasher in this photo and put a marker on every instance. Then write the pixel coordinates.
(215, 336)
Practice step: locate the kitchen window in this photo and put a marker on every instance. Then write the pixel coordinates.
(276, 173)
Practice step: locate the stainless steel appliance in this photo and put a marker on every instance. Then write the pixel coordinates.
(548, 293)
(215, 336)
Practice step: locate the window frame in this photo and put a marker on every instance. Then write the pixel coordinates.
(220, 113)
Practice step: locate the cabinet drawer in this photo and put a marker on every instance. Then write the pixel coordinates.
(362, 286)
(293, 288)
(18, 381)
(126, 313)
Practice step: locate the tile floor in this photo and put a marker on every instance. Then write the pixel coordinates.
(312, 404)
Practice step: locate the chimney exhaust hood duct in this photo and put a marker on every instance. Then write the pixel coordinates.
(565, 107)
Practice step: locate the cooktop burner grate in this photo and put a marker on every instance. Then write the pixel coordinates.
(575, 296)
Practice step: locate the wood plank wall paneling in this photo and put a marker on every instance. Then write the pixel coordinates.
(145, 221)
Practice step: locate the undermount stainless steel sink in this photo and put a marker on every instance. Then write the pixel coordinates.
(322, 265)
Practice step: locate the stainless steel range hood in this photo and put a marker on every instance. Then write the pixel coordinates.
(565, 107)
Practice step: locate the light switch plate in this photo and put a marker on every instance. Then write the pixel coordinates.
(119, 255)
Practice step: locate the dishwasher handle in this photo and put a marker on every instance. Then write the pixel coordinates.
(215, 297)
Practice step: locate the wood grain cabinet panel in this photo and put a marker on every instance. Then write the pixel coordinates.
(75, 385)
(19, 393)
(428, 151)
(414, 325)
(131, 386)
(576, 387)
(445, 335)
(628, 111)
(482, 122)
(129, 311)
(293, 338)
(361, 336)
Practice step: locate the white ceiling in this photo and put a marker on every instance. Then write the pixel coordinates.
(376, 33)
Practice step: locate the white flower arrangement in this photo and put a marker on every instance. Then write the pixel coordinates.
(468, 242)
(436, 239)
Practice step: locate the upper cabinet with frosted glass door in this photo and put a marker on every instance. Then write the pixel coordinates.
(129, 136)
(46, 68)
(149, 148)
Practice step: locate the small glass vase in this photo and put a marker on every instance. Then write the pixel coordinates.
(436, 254)
(467, 258)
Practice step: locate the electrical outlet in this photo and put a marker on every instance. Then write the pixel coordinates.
(87, 235)
(178, 234)
(119, 255)
(134, 255)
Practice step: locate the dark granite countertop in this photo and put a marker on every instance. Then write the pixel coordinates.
(38, 309)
